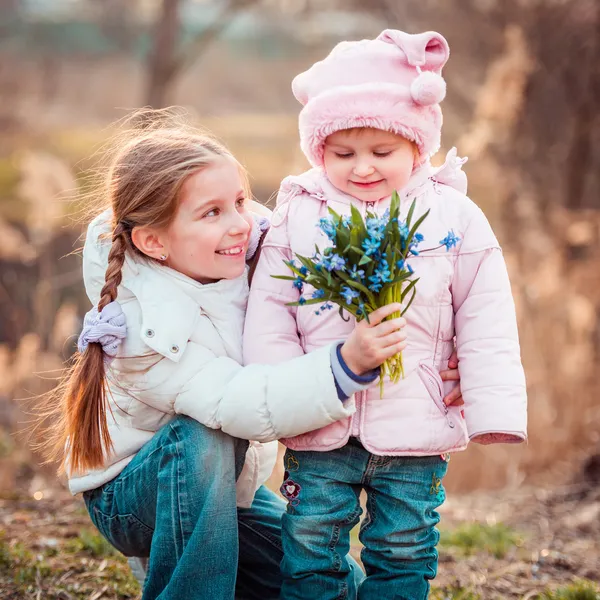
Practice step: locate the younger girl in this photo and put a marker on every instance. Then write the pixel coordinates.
(165, 266)
(370, 121)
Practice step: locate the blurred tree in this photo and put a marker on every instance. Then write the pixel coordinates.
(556, 112)
(168, 58)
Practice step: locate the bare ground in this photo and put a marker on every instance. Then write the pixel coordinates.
(48, 548)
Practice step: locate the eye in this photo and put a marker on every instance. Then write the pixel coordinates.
(382, 154)
(240, 202)
(212, 213)
(344, 155)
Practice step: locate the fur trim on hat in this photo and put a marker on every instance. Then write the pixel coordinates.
(381, 106)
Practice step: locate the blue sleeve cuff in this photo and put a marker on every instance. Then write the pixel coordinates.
(346, 381)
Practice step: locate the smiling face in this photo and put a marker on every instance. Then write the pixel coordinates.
(367, 163)
(208, 237)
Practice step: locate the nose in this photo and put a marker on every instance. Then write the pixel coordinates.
(239, 225)
(363, 168)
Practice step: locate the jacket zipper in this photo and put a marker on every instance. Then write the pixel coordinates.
(355, 432)
(360, 397)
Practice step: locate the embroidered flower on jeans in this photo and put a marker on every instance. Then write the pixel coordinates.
(290, 490)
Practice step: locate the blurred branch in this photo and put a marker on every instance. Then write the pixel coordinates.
(166, 62)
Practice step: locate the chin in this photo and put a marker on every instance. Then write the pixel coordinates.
(235, 273)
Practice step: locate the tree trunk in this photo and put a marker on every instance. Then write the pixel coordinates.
(162, 62)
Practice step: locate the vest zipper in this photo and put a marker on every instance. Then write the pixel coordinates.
(355, 432)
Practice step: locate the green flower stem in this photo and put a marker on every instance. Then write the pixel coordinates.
(392, 367)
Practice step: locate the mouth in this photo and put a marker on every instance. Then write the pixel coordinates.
(366, 185)
(233, 252)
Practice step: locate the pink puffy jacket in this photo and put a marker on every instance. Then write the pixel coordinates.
(463, 291)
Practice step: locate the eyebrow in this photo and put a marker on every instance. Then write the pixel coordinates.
(204, 204)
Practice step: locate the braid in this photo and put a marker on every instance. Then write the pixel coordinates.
(116, 258)
(143, 184)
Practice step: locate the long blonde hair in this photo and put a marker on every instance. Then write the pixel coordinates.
(149, 165)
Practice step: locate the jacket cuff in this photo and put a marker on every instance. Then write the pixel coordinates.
(346, 381)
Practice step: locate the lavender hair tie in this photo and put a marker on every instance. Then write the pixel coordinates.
(261, 224)
(107, 327)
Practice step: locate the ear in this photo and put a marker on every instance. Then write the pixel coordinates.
(148, 241)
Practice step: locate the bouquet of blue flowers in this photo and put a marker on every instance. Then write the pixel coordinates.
(364, 268)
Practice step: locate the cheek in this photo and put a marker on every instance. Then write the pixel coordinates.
(401, 169)
(196, 240)
(337, 171)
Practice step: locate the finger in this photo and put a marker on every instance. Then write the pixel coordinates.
(453, 360)
(393, 338)
(454, 397)
(392, 350)
(385, 311)
(388, 327)
(450, 375)
(458, 402)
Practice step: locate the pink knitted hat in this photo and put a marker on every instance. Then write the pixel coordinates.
(393, 82)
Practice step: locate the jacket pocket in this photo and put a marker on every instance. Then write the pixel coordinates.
(435, 387)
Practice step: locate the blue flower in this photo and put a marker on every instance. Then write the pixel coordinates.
(375, 228)
(410, 269)
(304, 271)
(418, 238)
(370, 246)
(323, 308)
(414, 251)
(376, 284)
(301, 300)
(319, 294)
(321, 262)
(336, 263)
(299, 283)
(348, 294)
(356, 273)
(400, 265)
(361, 309)
(327, 227)
(383, 273)
(450, 240)
(404, 231)
(347, 221)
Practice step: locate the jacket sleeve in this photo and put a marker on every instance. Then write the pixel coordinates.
(259, 402)
(270, 331)
(492, 377)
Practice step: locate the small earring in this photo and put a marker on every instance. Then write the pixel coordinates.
(163, 257)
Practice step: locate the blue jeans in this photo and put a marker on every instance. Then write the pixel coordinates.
(398, 533)
(176, 503)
